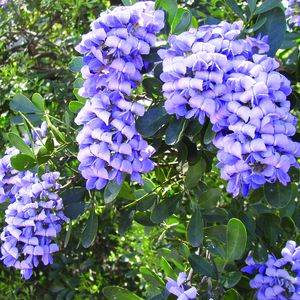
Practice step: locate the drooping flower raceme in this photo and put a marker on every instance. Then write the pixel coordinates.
(179, 289)
(209, 72)
(9, 177)
(276, 279)
(109, 144)
(33, 220)
(293, 13)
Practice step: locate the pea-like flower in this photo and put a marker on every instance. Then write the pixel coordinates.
(180, 289)
(276, 278)
(210, 73)
(33, 221)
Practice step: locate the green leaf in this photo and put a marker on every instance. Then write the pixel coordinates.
(43, 155)
(269, 227)
(148, 186)
(182, 21)
(167, 268)
(75, 106)
(16, 141)
(73, 202)
(150, 276)
(195, 229)
(118, 293)
(216, 232)
(152, 121)
(235, 8)
(22, 162)
(76, 64)
(209, 198)
(232, 294)
(90, 231)
(194, 173)
(146, 202)
(169, 6)
(111, 191)
(143, 218)
(230, 279)
(268, 5)
(236, 239)
(38, 101)
(275, 28)
(59, 136)
(78, 97)
(152, 87)
(208, 135)
(259, 23)
(277, 194)
(202, 266)
(49, 144)
(22, 104)
(252, 5)
(175, 131)
(164, 209)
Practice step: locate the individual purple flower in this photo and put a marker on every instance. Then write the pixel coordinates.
(33, 221)
(292, 13)
(180, 289)
(114, 49)
(210, 73)
(276, 279)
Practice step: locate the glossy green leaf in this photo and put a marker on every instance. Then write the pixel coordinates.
(216, 232)
(78, 97)
(152, 87)
(38, 101)
(175, 131)
(16, 141)
(236, 239)
(252, 5)
(90, 231)
(277, 194)
(147, 202)
(267, 5)
(118, 293)
(75, 106)
(129, 2)
(23, 104)
(194, 173)
(235, 8)
(76, 64)
(182, 21)
(148, 186)
(195, 229)
(167, 268)
(22, 162)
(164, 209)
(275, 28)
(73, 202)
(202, 266)
(230, 279)
(43, 155)
(209, 198)
(111, 191)
(59, 136)
(143, 218)
(152, 121)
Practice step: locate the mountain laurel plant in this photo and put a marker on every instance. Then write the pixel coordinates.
(183, 122)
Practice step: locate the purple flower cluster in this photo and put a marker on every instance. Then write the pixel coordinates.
(179, 289)
(109, 144)
(33, 220)
(293, 13)
(210, 72)
(10, 178)
(277, 279)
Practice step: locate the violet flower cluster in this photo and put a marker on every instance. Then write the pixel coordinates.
(180, 289)
(33, 221)
(109, 144)
(293, 13)
(276, 279)
(33, 217)
(210, 72)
